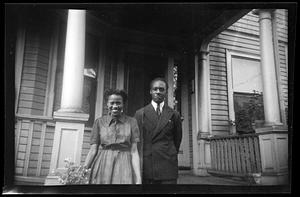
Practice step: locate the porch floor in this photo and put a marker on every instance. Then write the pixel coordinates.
(186, 177)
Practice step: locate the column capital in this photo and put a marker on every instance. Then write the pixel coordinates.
(202, 55)
(258, 11)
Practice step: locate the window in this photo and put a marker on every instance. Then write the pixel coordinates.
(245, 91)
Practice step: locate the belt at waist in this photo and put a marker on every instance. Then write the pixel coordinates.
(119, 147)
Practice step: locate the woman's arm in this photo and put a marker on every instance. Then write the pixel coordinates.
(135, 159)
(90, 157)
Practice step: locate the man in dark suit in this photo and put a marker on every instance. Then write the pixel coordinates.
(161, 134)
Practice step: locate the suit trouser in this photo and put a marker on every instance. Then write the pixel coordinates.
(151, 181)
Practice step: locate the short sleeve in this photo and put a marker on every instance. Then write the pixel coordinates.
(95, 136)
(135, 132)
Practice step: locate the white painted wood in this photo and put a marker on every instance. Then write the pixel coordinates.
(230, 94)
(19, 58)
(271, 100)
(72, 88)
(41, 148)
(49, 99)
(100, 79)
(170, 76)
(278, 73)
(203, 92)
(184, 159)
(28, 149)
(17, 137)
(68, 139)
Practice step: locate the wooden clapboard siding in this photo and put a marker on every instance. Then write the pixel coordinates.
(34, 146)
(281, 16)
(35, 69)
(86, 144)
(283, 72)
(247, 24)
(47, 150)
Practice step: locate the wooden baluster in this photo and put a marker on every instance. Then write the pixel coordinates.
(257, 154)
(238, 155)
(230, 168)
(226, 155)
(212, 152)
(219, 155)
(246, 144)
(251, 152)
(242, 154)
(234, 162)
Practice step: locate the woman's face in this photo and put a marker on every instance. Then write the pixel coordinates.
(115, 105)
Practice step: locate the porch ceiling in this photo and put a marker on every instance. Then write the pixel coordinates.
(179, 20)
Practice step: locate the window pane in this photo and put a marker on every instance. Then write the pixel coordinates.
(246, 75)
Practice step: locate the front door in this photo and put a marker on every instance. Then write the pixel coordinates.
(140, 69)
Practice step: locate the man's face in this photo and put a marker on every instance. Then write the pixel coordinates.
(158, 91)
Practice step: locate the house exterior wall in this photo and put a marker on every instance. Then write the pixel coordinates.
(242, 36)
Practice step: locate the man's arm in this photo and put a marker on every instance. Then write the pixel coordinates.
(178, 131)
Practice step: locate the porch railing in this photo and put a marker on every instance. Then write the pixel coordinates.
(235, 155)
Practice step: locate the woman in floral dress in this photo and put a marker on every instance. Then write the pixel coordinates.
(113, 156)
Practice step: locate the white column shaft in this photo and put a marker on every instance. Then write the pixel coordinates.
(74, 62)
(203, 93)
(270, 95)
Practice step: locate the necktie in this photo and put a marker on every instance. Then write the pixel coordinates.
(158, 110)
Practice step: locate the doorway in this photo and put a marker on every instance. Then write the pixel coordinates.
(140, 69)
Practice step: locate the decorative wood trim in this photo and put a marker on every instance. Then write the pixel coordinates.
(28, 149)
(277, 69)
(185, 114)
(100, 79)
(49, 98)
(169, 74)
(33, 117)
(25, 180)
(230, 91)
(41, 149)
(17, 138)
(19, 58)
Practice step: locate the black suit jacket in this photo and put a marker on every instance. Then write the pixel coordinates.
(160, 141)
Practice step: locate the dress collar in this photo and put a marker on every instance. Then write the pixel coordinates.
(120, 119)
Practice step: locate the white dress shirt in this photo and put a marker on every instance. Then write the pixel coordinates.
(161, 105)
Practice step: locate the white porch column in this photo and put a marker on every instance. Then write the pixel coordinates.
(74, 62)
(273, 137)
(70, 119)
(202, 151)
(270, 95)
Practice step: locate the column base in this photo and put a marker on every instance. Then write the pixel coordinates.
(200, 172)
(273, 143)
(70, 116)
(52, 180)
(274, 179)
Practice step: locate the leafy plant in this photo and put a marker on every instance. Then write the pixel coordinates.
(75, 174)
(248, 111)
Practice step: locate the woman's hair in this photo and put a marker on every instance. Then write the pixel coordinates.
(109, 92)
